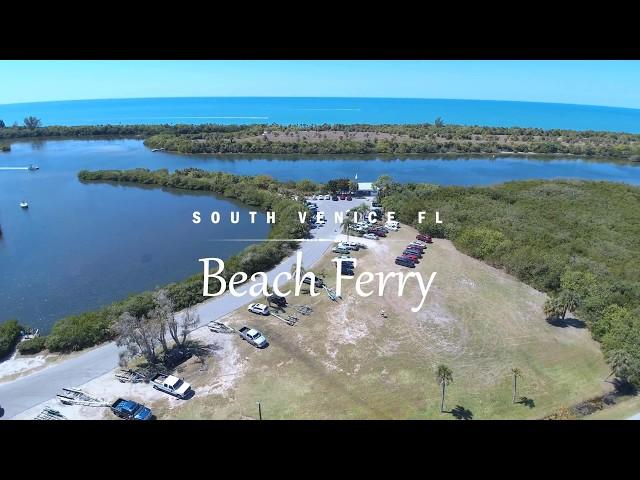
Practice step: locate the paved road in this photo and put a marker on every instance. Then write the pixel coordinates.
(26, 392)
(634, 417)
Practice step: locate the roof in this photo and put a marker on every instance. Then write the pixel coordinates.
(365, 186)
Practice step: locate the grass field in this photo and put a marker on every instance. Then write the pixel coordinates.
(347, 362)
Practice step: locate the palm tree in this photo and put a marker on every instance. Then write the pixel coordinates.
(516, 374)
(346, 225)
(444, 376)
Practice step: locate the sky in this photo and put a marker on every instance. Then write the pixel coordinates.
(607, 83)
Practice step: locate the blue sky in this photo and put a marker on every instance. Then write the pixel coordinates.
(611, 83)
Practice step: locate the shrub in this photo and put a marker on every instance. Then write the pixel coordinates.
(34, 345)
(79, 331)
(9, 336)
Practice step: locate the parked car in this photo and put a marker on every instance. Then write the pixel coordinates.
(342, 196)
(176, 356)
(405, 262)
(424, 238)
(410, 251)
(349, 198)
(335, 198)
(319, 283)
(314, 197)
(390, 227)
(327, 197)
(170, 384)
(278, 300)
(344, 250)
(259, 308)
(130, 410)
(254, 337)
(370, 236)
(376, 203)
(378, 232)
(418, 243)
(351, 246)
(411, 256)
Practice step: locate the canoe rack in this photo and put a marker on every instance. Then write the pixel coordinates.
(71, 396)
(288, 319)
(50, 414)
(219, 327)
(130, 376)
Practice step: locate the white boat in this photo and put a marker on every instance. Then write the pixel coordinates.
(34, 167)
(24, 205)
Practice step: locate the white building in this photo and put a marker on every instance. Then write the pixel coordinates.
(366, 189)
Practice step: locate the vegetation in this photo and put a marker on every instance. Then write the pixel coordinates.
(263, 192)
(32, 122)
(444, 377)
(144, 334)
(516, 374)
(578, 241)
(425, 138)
(32, 346)
(9, 336)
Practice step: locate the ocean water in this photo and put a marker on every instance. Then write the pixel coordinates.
(244, 110)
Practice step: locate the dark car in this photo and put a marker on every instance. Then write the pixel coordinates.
(413, 252)
(424, 238)
(319, 283)
(277, 300)
(347, 271)
(176, 356)
(405, 262)
(376, 204)
(349, 197)
(377, 231)
(334, 198)
(410, 256)
(130, 410)
(342, 197)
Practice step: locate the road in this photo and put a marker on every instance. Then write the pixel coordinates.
(26, 392)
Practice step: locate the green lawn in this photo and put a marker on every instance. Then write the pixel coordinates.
(346, 362)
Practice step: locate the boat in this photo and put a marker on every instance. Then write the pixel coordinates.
(24, 205)
(33, 167)
(158, 149)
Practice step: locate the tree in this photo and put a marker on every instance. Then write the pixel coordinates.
(163, 314)
(2, 125)
(444, 377)
(139, 335)
(383, 184)
(189, 320)
(621, 364)
(516, 374)
(439, 122)
(32, 122)
(347, 223)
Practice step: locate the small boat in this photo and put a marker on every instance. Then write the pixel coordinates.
(33, 167)
(24, 205)
(158, 149)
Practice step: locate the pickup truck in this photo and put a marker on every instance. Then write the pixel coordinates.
(130, 410)
(171, 385)
(253, 336)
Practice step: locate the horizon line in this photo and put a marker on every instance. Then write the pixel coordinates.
(317, 97)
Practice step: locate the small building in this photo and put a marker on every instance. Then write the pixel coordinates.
(366, 189)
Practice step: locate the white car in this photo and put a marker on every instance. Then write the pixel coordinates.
(259, 308)
(370, 236)
(344, 258)
(327, 197)
(314, 197)
(391, 227)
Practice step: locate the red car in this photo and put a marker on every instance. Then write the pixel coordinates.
(342, 197)
(424, 238)
(377, 232)
(411, 257)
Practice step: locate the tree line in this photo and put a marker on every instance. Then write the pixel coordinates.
(423, 138)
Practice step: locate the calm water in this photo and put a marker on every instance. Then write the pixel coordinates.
(82, 246)
(325, 110)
